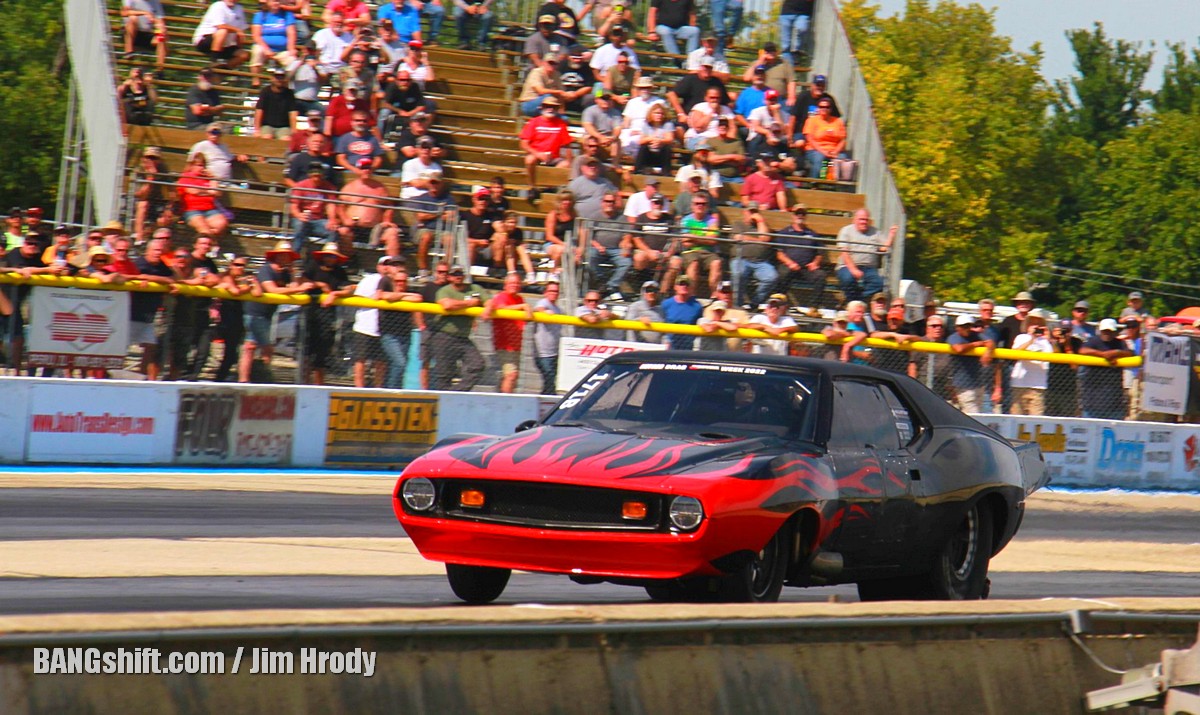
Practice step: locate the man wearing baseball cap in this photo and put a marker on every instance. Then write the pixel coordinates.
(691, 88)
(544, 140)
(1134, 307)
(313, 208)
(1101, 390)
(778, 73)
(774, 320)
(767, 125)
(647, 309)
(542, 81)
(970, 379)
(806, 100)
(538, 44)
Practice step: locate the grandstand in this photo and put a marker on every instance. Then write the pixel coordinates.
(477, 121)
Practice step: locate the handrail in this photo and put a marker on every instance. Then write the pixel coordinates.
(509, 314)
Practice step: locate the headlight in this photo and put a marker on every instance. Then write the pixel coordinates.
(418, 493)
(686, 513)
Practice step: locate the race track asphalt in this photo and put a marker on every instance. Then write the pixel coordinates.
(108, 542)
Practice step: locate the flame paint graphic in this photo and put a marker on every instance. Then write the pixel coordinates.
(625, 458)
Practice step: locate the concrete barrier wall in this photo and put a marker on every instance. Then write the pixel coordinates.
(786, 666)
(50, 421)
(53, 421)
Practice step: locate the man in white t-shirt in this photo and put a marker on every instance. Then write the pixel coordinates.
(635, 113)
(606, 55)
(639, 203)
(775, 321)
(415, 172)
(367, 346)
(1029, 377)
(708, 48)
(222, 32)
(333, 43)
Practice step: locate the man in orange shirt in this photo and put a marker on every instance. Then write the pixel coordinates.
(824, 138)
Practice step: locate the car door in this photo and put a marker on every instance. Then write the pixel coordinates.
(857, 469)
(899, 518)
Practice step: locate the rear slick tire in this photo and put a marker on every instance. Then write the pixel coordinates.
(477, 584)
(960, 572)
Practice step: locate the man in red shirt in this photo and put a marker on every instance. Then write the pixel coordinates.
(338, 116)
(544, 139)
(766, 185)
(507, 333)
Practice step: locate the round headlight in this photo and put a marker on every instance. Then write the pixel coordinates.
(418, 493)
(686, 513)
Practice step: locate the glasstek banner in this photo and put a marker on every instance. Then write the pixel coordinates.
(1166, 368)
(77, 328)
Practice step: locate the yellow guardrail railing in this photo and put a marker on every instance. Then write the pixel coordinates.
(669, 328)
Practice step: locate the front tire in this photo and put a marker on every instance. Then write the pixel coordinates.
(760, 579)
(960, 570)
(477, 584)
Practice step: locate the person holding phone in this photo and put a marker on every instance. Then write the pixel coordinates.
(1030, 377)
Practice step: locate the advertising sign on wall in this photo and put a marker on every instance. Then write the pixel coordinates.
(235, 426)
(77, 423)
(378, 429)
(577, 357)
(1166, 373)
(76, 328)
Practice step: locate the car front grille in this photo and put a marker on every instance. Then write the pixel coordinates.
(554, 506)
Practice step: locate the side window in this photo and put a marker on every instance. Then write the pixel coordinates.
(862, 417)
(906, 427)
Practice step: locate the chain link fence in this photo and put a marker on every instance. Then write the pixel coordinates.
(206, 339)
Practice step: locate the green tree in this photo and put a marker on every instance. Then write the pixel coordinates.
(1138, 221)
(32, 102)
(1180, 90)
(962, 116)
(1107, 96)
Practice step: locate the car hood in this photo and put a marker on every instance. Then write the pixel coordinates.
(586, 456)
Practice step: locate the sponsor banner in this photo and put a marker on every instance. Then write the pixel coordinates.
(79, 423)
(235, 426)
(77, 328)
(1099, 453)
(578, 356)
(376, 429)
(1166, 373)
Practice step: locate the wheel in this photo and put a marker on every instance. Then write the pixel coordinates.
(760, 580)
(959, 573)
(477, 584)
(960, 570)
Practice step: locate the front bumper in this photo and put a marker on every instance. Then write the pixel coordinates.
(628, 555)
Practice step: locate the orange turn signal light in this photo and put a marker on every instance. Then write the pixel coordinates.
(471, 497)
(633, 510)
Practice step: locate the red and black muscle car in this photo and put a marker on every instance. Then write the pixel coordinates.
(727, 476)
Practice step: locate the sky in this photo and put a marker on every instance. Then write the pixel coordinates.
(1046, 21)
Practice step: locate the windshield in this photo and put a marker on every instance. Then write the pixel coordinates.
(693, 398)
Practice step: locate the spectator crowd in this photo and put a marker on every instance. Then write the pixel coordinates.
(347, 84)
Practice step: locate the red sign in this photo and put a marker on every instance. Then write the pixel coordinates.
(74, 327)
